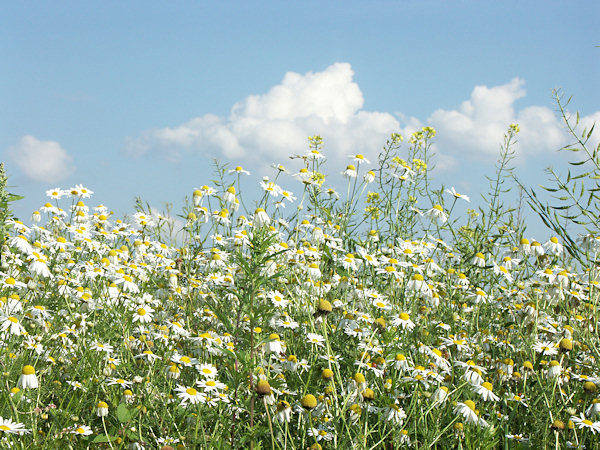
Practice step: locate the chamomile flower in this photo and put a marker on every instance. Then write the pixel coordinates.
(28, 378)
(440, 396)
(119, 382)
(81, 430)
(277, 299)
(189, 395)
(210, 385)
(143, 314)
(7, 426)
(316, 339)
(553, 246)
(359, 159)
(455, 194)
(546, 348)
(239, 170)
(261, 218)
(485, 390)
(585, 424)
(468, 412)
(350, 171)
(128, 284)
(56, 193)
(102, 409)
(184, 360)
(437, 213)
(284, 412)
(207, 370)
(11, 325)
(403, 321)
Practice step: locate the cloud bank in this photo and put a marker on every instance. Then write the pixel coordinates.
(274, 125)
(42, 161)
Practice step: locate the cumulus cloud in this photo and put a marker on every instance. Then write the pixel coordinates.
(269, 127)
(475, 130)
(42, 161)
(276, 124)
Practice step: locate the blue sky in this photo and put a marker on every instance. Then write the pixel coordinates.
(137, 98)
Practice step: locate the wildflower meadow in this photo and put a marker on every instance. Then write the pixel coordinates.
(386, 314)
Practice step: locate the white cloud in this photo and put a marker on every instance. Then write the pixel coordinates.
(475, 130)
(477, 127)
(269, 127)
(274, 125)
(42, 161)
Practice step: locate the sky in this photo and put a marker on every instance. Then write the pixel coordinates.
(139, 98)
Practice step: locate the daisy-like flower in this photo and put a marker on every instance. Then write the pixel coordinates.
(437, 213)
(277, 299)
(453, 192)
(229, 195)
(440, 395)
(418, 284)
(207, 370)
(239, 171)
(320, 433)
(359, 159)
(128, 284)
(100, 347)
(80, 191)
(75, 384)
(7, 426)
(143, 314)
(479, 296)
(189, 395)
(315, 339)
(594, 408)
(39, 267)
(28, 378)
(350, 171)
(81, 430)
(582, 423)
(210, 385)
(400, 362)
(546, 348)
(485, 390)
(403, 321)
(119, 382)
(56, 193)
(289, 196)
(284, 412)
(382, 304)
(554, 369)
(270, 187)
(148, 355)
(12, 325)
(184, 360)
(517, 437)
(501, 270)
(261, 218)
(369, 177)
(313, 271)
(469, 413)
(394, 413)
(102, 409)
(553, 246)
(518, 399)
